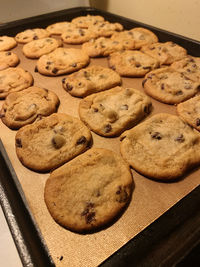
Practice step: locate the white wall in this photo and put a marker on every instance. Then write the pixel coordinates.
(179, 16)
(17, 9)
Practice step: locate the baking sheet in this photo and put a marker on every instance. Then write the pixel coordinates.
(150, 199)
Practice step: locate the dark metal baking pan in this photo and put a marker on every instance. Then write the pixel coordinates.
(142, 249)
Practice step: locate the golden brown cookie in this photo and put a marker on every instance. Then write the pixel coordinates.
(8, 59)
(31, 34)
(7, 43)
(86, 21)
(89, 192)
(50, 142)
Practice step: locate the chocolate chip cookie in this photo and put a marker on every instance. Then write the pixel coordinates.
(40, 47)
(132, 63)
(7, 43)
(189, 111)
(89, 192)
(86, 21)
(166, 53)
(31, 34)
(111, 112)
(102, 47)
(189, 66)
(169, 86)
(8, 59)
(141, 36)
(90, 80)
(61, 61)
(60, 27)
(106, 28)
(14, 80)
(50, 142)
(163, 147)
(24, 107)
(78, 36)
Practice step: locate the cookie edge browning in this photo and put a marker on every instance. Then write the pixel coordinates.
(110, 219)
(36, 166)
(165, 175)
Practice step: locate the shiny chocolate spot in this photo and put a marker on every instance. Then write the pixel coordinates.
(69, 87)
(121, 194)
(180, 138)
(81, 140)
(156, 135)
(107, 128)
(54, 70)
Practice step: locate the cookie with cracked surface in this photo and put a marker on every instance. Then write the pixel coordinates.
(40, 47)
(7, 43)
(189, 66)
(60, 27)
(14, 79)
(102, 47)
(132, 63)
(52, 141)
(8, 59)
(24, 107)
(89, 192)
(31, 34)
(141, 36)
(166, 53)
(86, 21)
(90, 80)
(61, 61)
(169, 86)
(189, 111)
(166, 150)
(111, 112)
(106, 28)
(78, 36)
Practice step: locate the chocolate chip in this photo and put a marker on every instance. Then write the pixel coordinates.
(180, 138)
(179, 93)
(95, 109)
(47, 67)
(8, 53)
(146, 67)
(122, 195)
(63, 80)
(89, 213)
(162, 86)
(156, 135)
(79, 84)
(18, 142)
(81, 32)
(61, 258)
(137, 65)
(81, 140)
(54, 70)
(198, 122)
(113, 67)
(69, 87)
(58, 141)
(36, 69)
(48, 62)
(35, 37)
(74, 65)
(107, 128)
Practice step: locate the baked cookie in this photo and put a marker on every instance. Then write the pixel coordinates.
(89, 192)
(78, 36)
(61, 61)
(40, 47)
(162, 147)
(7, 43)
(189, 66)
(141, 36)
(90, 80)
(86, 21)
(106, 28)
(31, 34)
(111, 112)
(169, 86)
(189, 111)
(8, 59)
(132, 63)
(24, 107)
(60, 27)
(102, 47)
(14, 80)
(50, 142)
(166, 53)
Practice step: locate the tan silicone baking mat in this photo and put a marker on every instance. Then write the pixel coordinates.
(149, 201)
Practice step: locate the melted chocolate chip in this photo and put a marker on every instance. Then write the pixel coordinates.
(179, 93)
(122, 195)
(69, 87)
(180, 138)
(18, 142)
(198, 122)
(113, 67)
(35, 37)
(162, 86)
(74, 65)
(156, 135)
(63, 80)
(107, 128)
(81, 140)
(81, 32)
(36, 69)
(54, 70)
(138, 65)
(95, 109)
(89, 213)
